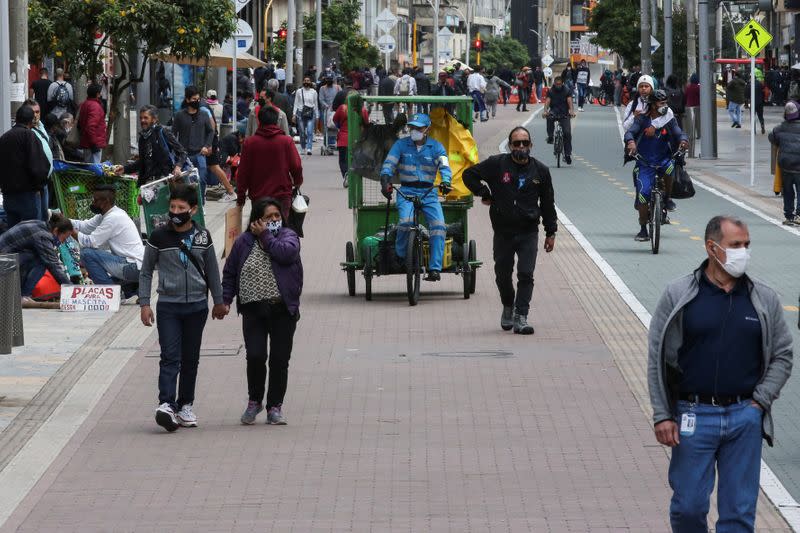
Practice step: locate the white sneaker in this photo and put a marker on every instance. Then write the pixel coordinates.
(165, 417)
(186, 417)
(309, 152)
(228, 197)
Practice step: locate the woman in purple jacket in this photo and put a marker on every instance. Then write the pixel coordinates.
(265, 274)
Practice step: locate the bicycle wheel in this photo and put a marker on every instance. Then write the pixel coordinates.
(413, 267)
(350, 257)
(656, 212)
(473, 256)
(558, 148)
(368, 273)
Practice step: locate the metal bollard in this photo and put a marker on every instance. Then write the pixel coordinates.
(11, 330)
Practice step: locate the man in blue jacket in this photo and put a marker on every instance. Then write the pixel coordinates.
(656, 136)
(417, 159)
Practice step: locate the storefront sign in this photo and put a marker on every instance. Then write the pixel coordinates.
(104, 298)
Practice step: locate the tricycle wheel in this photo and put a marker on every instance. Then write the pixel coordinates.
(368, 273)
(472, 255)
(467, 274)
(413, 267)
(350, 257)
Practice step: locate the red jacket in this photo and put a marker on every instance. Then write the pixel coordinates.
(92, 124)
(270, 165)
(340, 120)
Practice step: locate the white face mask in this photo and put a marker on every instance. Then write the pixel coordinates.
(417, 135)
(274, 226)
(736, 260)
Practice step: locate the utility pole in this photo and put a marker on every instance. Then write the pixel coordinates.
(653, 17)
(18, 19)
(691, 37)
(706, 82)
(318, 43)
(647, 66)
(298, 41)
(5, 64)
(290, 27)
(667, 38)
(435, 5)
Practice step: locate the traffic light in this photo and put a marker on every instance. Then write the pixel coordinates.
(477, 45)
(282, 33)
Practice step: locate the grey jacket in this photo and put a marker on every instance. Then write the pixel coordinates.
(179, 282)
(193, 131)
(786, 136)
(666, 338)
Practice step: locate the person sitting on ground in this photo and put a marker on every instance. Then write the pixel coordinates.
(36, 243)
(111, 247)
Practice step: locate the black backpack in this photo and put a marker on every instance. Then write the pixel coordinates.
(61, 96)
(675, 100)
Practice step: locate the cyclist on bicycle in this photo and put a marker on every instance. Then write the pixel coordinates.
(558, 106)
(417, 159)
(656, 136)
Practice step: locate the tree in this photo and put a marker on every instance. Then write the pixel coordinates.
(80, 31)
(616, 23)
(679, 46)
(340, 24)
(503, 51)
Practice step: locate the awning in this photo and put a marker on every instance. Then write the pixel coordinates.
(216, 58)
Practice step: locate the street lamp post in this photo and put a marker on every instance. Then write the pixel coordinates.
(435, 6)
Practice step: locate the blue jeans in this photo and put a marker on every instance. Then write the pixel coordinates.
(31, 270)
(735, 112)
(308, 133)
(180, 334)
(583, 90)
(92, 156)
(106, 268)
(791, 198)
(21, 206)
(434, 216)
(730, 439)
(478, 103)
(539, 91)
(199, 161)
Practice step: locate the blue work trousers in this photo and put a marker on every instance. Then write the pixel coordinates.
(728, 438)
(434, 216)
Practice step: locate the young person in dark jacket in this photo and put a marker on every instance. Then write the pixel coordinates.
(265, 274)
(160, 153)
(519, 192)
(25, 170)
(187, 271)
(786, 136)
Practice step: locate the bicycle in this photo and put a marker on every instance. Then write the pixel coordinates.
(656, 201)
(558, 138)
(413, 262)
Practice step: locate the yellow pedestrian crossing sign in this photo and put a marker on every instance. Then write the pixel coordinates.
(753, 37)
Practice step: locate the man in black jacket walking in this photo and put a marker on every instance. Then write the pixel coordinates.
(25, 170)
(519, 192)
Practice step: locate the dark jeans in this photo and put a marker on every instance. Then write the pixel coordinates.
(31, 270)
(180, 333)
(791, 193)
(343, 160)
(21, 206)
(524, 95)
(260, 321)
(525, 246)
(565, 127)
(506, 94)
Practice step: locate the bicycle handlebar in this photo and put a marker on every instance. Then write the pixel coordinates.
(410, 197)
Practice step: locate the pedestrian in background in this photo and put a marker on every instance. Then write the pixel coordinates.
(523, 88)
(519, 192)
(25, 170)
(41, 132)
(195, 131)
(386, 88)
(720, 352)
(187, 266)
(786, 136)
(340, 121)
(676, 98)
(735, 94)
(60, 96)
(39, 89)
(493, 87)
(92, 125)
(306, 113)
(758, 103)
(582, 78)
(265, 274)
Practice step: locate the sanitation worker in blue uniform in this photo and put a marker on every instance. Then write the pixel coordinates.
(416, 160)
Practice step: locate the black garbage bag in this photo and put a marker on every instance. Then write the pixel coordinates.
(682, 186)
(370, 152)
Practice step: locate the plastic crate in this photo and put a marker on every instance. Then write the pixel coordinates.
(74, 190)
(447, 260)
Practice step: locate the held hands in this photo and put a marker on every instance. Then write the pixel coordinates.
(667, 433)
(219, 311)
(147, 316)
(258, 227)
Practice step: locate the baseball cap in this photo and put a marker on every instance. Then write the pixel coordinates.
(211, 93)
(791, 111)
(646, 79)
(419, 120)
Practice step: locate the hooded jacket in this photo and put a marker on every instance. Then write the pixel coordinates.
(786, 136)
(270, 165)
(25, 165)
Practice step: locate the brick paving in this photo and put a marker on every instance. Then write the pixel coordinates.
(400, 419)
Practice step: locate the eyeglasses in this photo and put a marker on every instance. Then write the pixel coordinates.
(520, 144)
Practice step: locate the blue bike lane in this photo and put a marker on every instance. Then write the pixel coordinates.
(596, 194)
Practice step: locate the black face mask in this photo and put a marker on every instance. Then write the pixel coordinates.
(521, 155)
(328, 83)
(194, 104)
(262, 102)
(306, 85)
(94, 209)
(179, 219)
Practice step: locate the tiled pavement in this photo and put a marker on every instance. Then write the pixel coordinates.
(401, 419)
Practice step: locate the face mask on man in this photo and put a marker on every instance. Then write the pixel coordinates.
(179, 219)
(194, 104)
(736, 260)
(95, 209)
(521, 154)
(306, 85)
(262, 102)
(417, 135)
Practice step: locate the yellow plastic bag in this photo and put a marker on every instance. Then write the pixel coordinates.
(462, 150)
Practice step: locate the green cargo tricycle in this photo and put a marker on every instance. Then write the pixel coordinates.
(374, 218)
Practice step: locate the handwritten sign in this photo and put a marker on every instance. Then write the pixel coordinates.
(103, 298)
